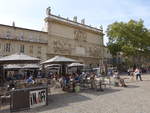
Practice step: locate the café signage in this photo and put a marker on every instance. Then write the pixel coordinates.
(37, 98)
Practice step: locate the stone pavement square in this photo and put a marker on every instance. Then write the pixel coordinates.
(133, 99)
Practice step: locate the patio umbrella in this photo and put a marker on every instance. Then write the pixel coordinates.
(53, 65)
(76, 65)
(59, 60)
(31, 66)
(12, 66)
(18, 58)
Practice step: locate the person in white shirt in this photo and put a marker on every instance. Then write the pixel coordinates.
(138, 73)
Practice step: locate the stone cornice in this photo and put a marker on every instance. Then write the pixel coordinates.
(23, 40)
(74, 24)
(23, 28)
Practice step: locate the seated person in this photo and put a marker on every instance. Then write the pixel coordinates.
(122, 83)
(11, 85)
(30, 80)
(117, 80)
(77, 78)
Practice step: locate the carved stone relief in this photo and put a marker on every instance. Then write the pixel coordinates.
(80, 35)
(94, 51)
(62, 47)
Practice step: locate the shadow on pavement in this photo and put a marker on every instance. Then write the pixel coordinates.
(64, 99)
(98, 93)
(61, 100)
(132, 86)
(55, 101)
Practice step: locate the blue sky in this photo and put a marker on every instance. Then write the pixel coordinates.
(31, 13)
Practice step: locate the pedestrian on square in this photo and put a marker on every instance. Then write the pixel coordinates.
(138, 74)
(128, 72)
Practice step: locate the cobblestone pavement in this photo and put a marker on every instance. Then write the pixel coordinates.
(133, 99)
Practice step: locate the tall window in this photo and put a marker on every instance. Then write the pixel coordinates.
(31, 49)
(7, 47)
(21, 48)
(7, 34)
(21, 36)
(39, 50)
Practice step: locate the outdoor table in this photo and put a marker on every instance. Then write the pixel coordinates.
(27, 98)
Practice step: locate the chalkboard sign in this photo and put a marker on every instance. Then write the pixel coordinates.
(27, 98)
(19, 100)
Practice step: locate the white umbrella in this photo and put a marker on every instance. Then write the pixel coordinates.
(12, 66)
(31, 66)
(59, 60)
(75, 65)
(18, 58)
(53, 65)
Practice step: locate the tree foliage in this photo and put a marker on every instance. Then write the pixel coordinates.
(131, 38)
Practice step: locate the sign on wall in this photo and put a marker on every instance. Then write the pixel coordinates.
(37, 98)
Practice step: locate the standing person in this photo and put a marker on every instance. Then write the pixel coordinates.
(128, 72)
(92, 77)
(115, 77)
(138, 73)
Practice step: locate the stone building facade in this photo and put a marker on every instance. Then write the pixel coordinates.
(73, 39)
(61, 37)
(20, 40)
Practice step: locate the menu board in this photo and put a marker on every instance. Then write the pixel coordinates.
(37, 98)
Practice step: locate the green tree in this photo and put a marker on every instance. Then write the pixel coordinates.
(131, 38)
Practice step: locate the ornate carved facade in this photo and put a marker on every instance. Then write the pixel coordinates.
(62, 47)
(74, 40)
(80, 35)
(62, 37)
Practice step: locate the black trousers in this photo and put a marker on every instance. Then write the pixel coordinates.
(138, 76)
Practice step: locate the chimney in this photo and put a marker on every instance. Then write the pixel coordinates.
(13, 24)
(75, 18)
(83, 21)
